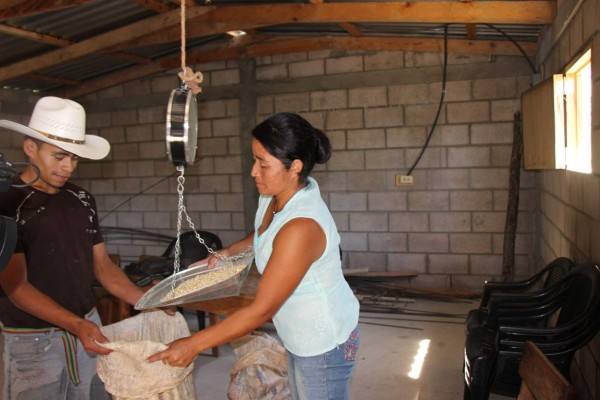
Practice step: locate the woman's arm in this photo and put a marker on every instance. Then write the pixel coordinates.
(297, 245)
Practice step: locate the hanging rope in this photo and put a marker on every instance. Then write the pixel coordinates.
(191, 79)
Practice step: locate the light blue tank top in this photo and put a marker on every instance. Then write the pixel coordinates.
(322, 311)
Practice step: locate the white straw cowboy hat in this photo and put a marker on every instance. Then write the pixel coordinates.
(61, 123)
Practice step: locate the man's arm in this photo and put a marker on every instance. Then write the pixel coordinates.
(29, 299)
(112, 277)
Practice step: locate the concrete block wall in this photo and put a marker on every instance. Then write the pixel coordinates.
(377, 108)
(570, 202)
(448, 226)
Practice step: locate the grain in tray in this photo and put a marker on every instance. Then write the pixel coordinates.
(204, 280)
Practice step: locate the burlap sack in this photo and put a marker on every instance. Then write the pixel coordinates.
(126, 373)
(260, 369)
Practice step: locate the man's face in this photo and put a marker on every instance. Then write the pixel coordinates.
(56, 165)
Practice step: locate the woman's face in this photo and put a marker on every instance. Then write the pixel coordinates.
(270, 175)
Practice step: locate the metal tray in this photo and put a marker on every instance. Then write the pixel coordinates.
(161, 295)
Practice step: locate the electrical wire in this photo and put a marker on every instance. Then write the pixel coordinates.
(516, 44)
(437, 114)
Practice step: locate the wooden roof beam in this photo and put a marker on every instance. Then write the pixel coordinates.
(279, 45)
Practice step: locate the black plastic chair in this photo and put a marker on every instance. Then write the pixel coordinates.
(492, 356)
(549, 275)
(191, 248)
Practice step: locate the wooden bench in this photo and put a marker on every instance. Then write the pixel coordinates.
(541, 379)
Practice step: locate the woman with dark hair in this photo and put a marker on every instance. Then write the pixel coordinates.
(296, 245)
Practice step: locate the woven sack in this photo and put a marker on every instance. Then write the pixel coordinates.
(260, 369)
(126, 373)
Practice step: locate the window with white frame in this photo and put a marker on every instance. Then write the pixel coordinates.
(573, 112)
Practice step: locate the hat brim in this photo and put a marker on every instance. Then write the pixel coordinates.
(94, 148)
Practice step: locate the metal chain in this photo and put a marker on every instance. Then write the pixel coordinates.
(181, 210)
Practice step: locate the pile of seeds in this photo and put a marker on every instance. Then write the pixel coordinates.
(203, 281)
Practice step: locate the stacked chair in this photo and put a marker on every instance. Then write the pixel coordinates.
(559, 318)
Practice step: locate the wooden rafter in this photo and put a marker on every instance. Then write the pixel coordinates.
(32, 7)
(259, 47)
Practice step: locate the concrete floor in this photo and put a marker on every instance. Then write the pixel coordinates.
(389, 345)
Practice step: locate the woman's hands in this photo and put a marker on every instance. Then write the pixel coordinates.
(180, 353)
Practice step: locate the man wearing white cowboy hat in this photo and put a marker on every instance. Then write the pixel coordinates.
(50, 325)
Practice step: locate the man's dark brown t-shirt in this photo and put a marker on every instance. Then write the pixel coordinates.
(57, 233)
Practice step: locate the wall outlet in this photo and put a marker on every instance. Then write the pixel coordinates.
(404, 180)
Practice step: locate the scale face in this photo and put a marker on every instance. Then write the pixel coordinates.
(182, 127)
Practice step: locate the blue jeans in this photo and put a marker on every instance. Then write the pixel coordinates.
(35, 367)
(324, 376)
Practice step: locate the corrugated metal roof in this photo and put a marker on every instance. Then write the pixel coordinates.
(85, 21)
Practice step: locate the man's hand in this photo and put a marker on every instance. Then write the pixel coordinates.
(89, 333)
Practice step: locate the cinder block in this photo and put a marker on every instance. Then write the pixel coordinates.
(472, 156)
(428, 201)
(264, 105)
(501, 156)
(407, 262)
(111, 92)
(348, 201)
(482, 264)
(477, 243)
(342, 222)
(368, 222)
(489, 178)
(366, 180)
(367, 97)
(450, 222)
(434, 157)
(366, 139)
(296, 102)
(226, 127)
(225, 77)
(409, 222)
(344, 119)
(228, 165)
(495, 88)
(164, 83)
(102, 186)
(230, 202)
(448, 264)
(215, 221)
(472, 111)
(212, 109)
(387, 242)
(331, 181)
(455, 91)
(353, 241)
(448, 178)
(479, 200)
(422, 59)
(380, 60)
(145, 202)
(423, 114)
(428, 243)
(409, 94)
(166, 202)
(125, 151)
(504, 110)
(329, 100)
(140, 168)
(405, 137)
(471, 282)
(139, 133)
(114, 169)
(489, 221)
(128, 185)
(384, 159)
(343, 65)
(361, 259)
(148, 115)
(387, 201)
(450, 135)
(431, 281)
(89, 170)
(130, 220)
(124, 117)
(346, 160)
(212, 146)
(97, 120)
(271, 72)
(307, 68)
